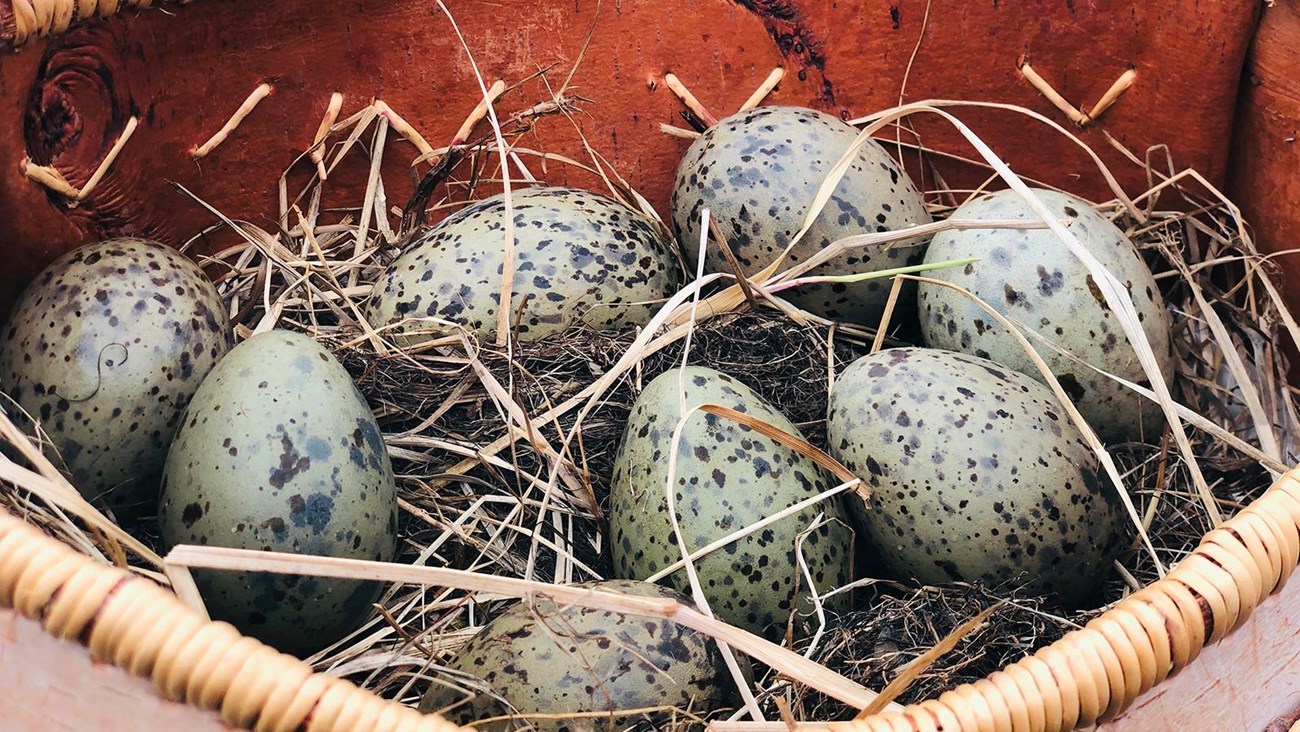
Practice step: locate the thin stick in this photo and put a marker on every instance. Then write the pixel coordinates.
(764, 89)
(1113, 94)
(50, 178)
(368, 206)
(733, 263)
(894, 291)
(262, 91)
(689, 99)
(317, 143)
(682, 132)
(403, 128)
(1044, 88)
(182, 582)
(480, 111)
(783, 660)
(108, 159)
(917, 666)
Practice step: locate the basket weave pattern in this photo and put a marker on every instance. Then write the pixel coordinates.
(1095, 673)
(140, 627)
(1090, 675)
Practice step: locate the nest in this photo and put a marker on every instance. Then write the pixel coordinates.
(504, 455)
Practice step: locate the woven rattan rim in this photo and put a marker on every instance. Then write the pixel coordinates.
(142, 628)
(1097, 672)
(1090, 675)
(31, 19)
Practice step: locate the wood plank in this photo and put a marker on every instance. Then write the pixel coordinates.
(47, 684)
(1245, 683)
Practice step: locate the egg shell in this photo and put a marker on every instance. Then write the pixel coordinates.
(104, 350)
(579, 257)
(1032, 277)
(727, 477)
(759, 171)
(541, 658)
(279, 452)
(977, 475)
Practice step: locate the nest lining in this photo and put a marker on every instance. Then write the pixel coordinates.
(469, 504)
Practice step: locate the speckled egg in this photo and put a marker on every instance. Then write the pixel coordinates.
(543, 658)
(279, 452)
(977, 475)
(758, 172)
(728, 477)
(1031, 277)
(580, 258)
(104, 350)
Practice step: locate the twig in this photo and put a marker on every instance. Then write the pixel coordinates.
(674, 131)
(764, 89)
(108, 159)
(1053, 96)
(54, 180)
(403, 128)
(261, 92)
(317, 145)
(689, 100)
(1112, 94)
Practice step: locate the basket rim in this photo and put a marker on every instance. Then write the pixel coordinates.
(1084, 677)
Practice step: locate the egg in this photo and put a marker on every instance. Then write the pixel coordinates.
(278, 451)
(1031, 277)
(728, 477)
(104, 350)
(580, 258)
(545, 658)
(976, 473)
(758, 172)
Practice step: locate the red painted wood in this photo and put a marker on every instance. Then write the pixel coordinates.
(1265, 175)
(65, 101)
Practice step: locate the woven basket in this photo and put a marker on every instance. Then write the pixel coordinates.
(1089, 676)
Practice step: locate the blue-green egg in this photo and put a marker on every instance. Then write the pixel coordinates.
(280, 452)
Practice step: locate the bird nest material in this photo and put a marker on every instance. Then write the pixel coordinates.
(504, 453)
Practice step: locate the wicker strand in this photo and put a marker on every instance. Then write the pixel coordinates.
(39, 18)
(1099, 671)
(145, 630)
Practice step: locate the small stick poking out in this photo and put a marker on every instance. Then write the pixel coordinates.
(764, 89)
(1112, 94)
(261, 92)
(689, 100)
(1079, 118)
(50, 178)
(478, 114)
(1053, 96)
(404, 128)
(681, 132)
(54, 180)
(317, 146)
(107, 162)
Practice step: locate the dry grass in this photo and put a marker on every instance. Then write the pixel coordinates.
(504, 451)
